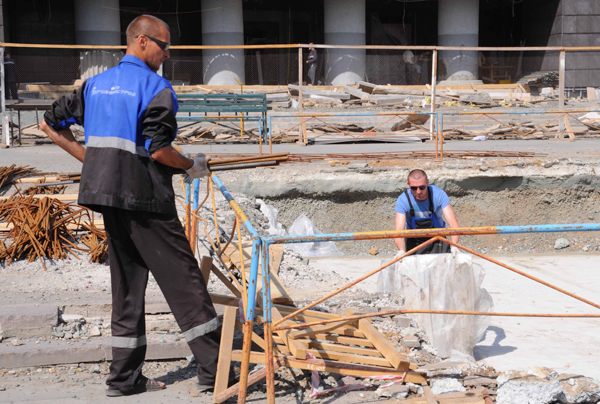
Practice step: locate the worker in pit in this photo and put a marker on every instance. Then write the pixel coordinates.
(128, 113)
(424, 206)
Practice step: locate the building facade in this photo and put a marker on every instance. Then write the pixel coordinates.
(500, 23)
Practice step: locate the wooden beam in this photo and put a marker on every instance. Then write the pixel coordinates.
(60, 197)
(297, 349)
(381, 343)
(205, 267)
(225, 349)
(429, 395)
(568, 127)
(349, 358)
(324, 365)
(325, 328)
(341, 348)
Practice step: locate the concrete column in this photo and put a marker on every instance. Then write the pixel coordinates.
(97, 22)
(344, 25)
(458, 25)
(223, 26)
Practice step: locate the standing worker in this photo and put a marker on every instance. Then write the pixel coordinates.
(312, 64)
(128, 113)
(11, 78)
(422, 206)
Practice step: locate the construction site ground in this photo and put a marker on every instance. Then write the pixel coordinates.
(559, 185)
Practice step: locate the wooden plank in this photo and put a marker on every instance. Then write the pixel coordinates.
(349, 358)
(297, 349)
(343, 340)
(324, 365)
(205, 267)
(333, 328)
(225, 349)
(60, 197)
(429, 395)
(341, 348)
(35, 180)
(568, 127)
(387, 349)
(308, 313)
(224, 300)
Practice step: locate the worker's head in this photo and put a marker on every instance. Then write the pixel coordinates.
(417, 182)
(311, 46)
(149, 39)
(7, 53)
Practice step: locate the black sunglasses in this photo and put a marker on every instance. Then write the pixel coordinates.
(163, 45)
(421, 187)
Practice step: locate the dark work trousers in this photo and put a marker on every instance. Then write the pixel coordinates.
(312, 72)
(10, 90)
(140, 242)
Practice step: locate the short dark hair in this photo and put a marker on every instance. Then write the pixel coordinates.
(416, 174)
(145, 24)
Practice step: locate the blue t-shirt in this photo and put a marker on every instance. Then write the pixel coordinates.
(440, 201)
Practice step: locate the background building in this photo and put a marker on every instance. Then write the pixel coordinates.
(497, 23)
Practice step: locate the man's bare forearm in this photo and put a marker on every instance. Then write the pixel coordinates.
(65, 140)
(170, 157)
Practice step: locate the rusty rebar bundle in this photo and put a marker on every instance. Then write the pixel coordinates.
(97, 242)
(10, 173)
(40, 229)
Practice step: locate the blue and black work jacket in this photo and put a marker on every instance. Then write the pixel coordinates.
(128, 112)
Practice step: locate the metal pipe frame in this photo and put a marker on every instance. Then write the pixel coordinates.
(261, 247)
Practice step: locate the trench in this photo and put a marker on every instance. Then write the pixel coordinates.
(501, 201)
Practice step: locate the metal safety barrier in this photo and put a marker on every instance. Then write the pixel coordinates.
(260, 256)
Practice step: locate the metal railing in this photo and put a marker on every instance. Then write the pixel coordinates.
(261, 253)
(280, 70)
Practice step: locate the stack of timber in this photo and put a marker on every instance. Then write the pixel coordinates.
(353, 348)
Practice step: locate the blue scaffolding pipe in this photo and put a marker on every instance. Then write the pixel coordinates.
(548, 228)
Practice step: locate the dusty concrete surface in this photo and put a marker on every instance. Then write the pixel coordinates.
(560, 187)
(565, 345)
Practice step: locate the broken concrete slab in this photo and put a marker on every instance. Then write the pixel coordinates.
(366, 87)
(356, 93)
(321, 99)
(445, 386)
(388, 99)
(579, 389)
(27, 321)
(399, 90)
(277, 97)
(524, 388)
(295, 90)
(478, 98)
